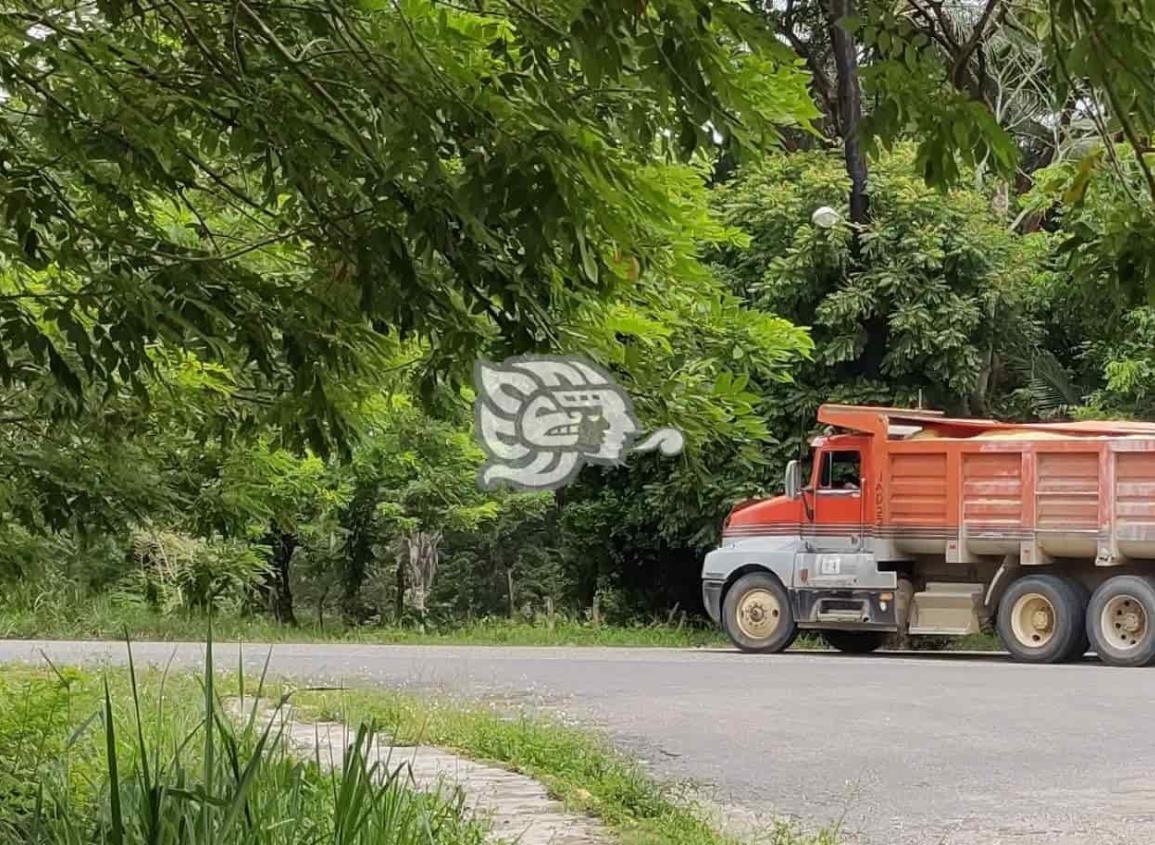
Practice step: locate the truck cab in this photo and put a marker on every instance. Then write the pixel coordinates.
(809, 549)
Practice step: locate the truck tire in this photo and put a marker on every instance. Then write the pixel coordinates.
(1040, 619)
(855, 642)
(1121, 621)
(756, 614)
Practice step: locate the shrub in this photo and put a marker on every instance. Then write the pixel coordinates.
(174, 571)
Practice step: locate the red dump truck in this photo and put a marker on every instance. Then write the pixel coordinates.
(910, 522)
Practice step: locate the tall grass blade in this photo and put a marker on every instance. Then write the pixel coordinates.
(241, 670)
(259, 693)
(239, 799)
(233, 753)
(210, 744)
(55, 671)
(116, 834)
(152, 795)
(80, 730)
(157, 747)
(37, 814)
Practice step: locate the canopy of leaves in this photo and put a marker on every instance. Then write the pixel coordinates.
(276, 184)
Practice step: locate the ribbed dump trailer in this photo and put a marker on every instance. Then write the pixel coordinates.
(909, 521)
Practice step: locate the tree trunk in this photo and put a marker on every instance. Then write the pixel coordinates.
(321, 606)
(420, 551)
(849, 100)
(399, 599)
(1001, 199)
(849, 96)
(509, 591)
(278, 586)
(978, 405)
(359, 520)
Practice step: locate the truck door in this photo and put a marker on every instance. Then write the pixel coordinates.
(834, 573)
(839, 504)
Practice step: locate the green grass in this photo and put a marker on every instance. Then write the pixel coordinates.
(103, 617)
(88, 617)
(577, 767)
(130, 761)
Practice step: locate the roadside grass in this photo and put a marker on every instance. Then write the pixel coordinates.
(104, 617)
(124, 760)
(80, 616)
(128, 759)
(576, 766)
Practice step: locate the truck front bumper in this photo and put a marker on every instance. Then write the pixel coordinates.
(712, 599)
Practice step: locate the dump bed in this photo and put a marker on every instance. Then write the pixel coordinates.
(968, 488)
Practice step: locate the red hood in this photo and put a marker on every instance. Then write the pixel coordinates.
(756, 513)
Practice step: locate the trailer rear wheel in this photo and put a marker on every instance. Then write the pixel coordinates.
(855, 642)
(1121, 620)
(756, 614)
(1040, 619)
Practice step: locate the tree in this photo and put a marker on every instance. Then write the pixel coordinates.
(273, 497)
(952, 286)
(279, 185)
(1104, 52)
(499, 564)
(849, 100)
(1095, 309)
(414, 481)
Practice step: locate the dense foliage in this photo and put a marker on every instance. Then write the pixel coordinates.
(251, 251)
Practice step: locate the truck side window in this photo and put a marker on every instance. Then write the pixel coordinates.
(841, 471)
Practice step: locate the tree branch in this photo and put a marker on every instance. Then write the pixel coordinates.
(971, 44)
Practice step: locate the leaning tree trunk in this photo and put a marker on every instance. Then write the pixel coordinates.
(849, 97)
(419, 552)
(849, 102)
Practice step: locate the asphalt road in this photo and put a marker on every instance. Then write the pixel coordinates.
(940, 750)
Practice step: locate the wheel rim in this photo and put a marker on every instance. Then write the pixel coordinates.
(1123, 622)
(759, 614)
(1033, 620)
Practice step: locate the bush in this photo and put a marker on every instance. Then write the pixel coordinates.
(177, 572)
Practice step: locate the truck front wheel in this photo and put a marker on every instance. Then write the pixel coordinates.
(1121, 621)
(1040, 619)
(756, 614)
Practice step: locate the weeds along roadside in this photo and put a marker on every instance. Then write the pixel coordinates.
(100, 617)
(576, 766)
(127, 759)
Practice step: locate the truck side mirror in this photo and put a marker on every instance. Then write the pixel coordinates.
(793, 480)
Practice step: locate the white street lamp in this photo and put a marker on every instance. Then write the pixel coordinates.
(825, 217)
